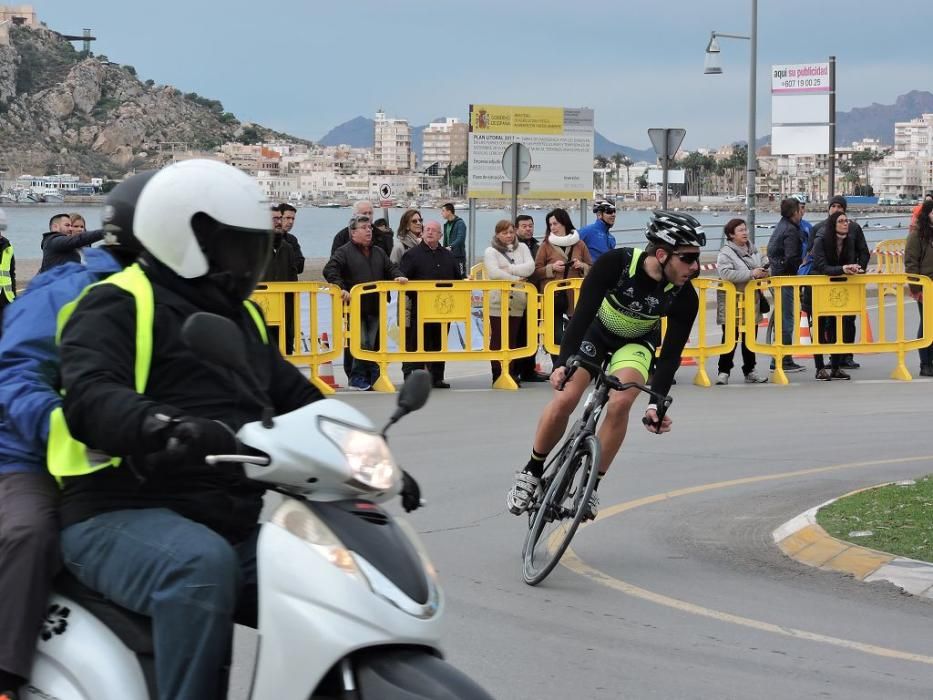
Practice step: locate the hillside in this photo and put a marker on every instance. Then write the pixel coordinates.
(64, 111)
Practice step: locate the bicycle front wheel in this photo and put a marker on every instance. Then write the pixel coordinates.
(561, 511)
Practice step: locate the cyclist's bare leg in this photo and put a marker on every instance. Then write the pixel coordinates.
(553, 421)
(611, 433)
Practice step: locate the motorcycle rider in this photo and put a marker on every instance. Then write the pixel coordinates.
(29, 547)
(155, 529)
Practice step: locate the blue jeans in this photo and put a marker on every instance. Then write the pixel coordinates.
(369, 337)
(183, 575)
(787, 315)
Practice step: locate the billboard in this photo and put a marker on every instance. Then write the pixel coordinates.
(800, 108)
(559, 143)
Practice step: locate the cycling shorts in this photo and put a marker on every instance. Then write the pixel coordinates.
(605, 348)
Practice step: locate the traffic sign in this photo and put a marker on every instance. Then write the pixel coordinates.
(666, 141)
(385, 191)
(524, 161)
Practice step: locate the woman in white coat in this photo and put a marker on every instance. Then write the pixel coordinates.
(506, 259)
(738, 262)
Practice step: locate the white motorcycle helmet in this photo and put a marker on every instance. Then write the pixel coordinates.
(203, 218)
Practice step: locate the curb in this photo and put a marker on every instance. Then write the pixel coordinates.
(803, 540)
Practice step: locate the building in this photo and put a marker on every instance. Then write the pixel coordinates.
(908, 172)
(444, 143)
(392, 145)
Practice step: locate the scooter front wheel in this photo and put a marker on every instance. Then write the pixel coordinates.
(411, 673)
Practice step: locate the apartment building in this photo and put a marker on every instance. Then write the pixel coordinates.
(908, 172)
(392, 144)
(444, 143)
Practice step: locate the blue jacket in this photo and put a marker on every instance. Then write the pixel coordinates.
(597, 238)
(29, 380)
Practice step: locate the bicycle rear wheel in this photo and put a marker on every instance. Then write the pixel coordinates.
(560, 512)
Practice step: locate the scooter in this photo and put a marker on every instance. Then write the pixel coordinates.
(349, 603)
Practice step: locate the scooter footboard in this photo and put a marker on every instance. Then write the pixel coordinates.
(408, 673)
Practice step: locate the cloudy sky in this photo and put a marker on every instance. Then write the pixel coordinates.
(304, 66)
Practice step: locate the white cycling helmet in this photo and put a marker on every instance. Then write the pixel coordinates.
(205, 218)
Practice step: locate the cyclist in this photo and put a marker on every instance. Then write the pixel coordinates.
(618, 318)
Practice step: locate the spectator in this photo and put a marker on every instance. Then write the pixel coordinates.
(863, 255)
(506, 259)
(455, 233)
(738, 262)
(596, 236)
(409, 235)
(785, 257)
(7, 270)
(918, 260)
(915, 214)
(525, 367)
(60, 246)
(288, 223)
(276, 218)
(834, 253)
(561, 255)
(281, 268)
(427, 260)
(356, 262)
(78, 224)
(383, 235)
(361, 208)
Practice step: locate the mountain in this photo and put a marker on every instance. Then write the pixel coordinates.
(877, 120)
(64, 111)
(359, 133)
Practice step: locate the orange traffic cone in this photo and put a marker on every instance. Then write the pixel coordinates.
(805, 338)
(688, 361)
(866, 328)
(326, 369)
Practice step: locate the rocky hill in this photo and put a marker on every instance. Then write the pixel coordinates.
(64, 111)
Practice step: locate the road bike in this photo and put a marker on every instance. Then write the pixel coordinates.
(569, 476)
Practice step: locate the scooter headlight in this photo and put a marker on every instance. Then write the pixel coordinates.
(298, 519)
(371, 463)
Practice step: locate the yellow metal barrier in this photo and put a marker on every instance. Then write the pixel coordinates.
(311, 300)
(478, 272)
(698, 353)
(444, 303)
(837, 297)
(890, 256)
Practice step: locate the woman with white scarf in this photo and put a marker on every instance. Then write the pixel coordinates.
(738, 262)
(561, 255)
(506, 259)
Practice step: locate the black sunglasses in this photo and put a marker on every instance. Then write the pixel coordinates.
(688, 258)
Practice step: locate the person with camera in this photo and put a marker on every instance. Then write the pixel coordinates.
(738, 262)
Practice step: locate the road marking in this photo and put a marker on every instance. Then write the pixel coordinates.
(572, 562)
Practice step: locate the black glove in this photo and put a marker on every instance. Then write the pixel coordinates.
(193, 438)
(411, 493)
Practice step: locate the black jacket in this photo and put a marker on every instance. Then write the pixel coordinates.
(60, 248)
(784, 248)
(532, 243)
(349, 266)
(299, 257)
(422, 263)
(827, 261)
(283, 263)
(104, 411)
(383, 239)
(856, 234)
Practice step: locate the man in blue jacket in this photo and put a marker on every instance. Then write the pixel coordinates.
(455, 233)
(29, 392)
(596, 235)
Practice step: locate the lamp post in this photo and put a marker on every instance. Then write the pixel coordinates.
(712, 67)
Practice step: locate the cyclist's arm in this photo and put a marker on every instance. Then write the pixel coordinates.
(602, 277)
(680, 320)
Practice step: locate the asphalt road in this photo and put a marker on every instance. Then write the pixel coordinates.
(674, 594)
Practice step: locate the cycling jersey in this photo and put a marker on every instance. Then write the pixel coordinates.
(623, 304)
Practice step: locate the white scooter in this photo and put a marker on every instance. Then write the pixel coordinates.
(349, 605)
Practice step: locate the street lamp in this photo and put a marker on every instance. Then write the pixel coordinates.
(712, 67)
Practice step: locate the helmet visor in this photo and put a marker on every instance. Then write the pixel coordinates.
(238, 258)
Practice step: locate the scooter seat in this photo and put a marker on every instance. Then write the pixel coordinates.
(133, 629)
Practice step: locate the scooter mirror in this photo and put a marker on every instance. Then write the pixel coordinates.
(415, 391)
(216, 339)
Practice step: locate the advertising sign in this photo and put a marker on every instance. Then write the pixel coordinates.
(559, 159)
(800, 115)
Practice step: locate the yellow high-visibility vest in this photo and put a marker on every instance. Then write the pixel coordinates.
(65, 455)
(6, 279)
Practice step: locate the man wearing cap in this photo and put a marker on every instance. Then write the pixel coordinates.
(596, 235)
(784, 254)
(863, 254)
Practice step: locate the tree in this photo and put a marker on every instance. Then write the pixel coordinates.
(642, 180)
(458, 176)
(618, 160)
(601, 162)
(249, 136)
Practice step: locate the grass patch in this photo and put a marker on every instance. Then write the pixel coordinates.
(900, 519)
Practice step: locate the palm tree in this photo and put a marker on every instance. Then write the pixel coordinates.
(617, 160)
(627, 163)
(602, 163)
